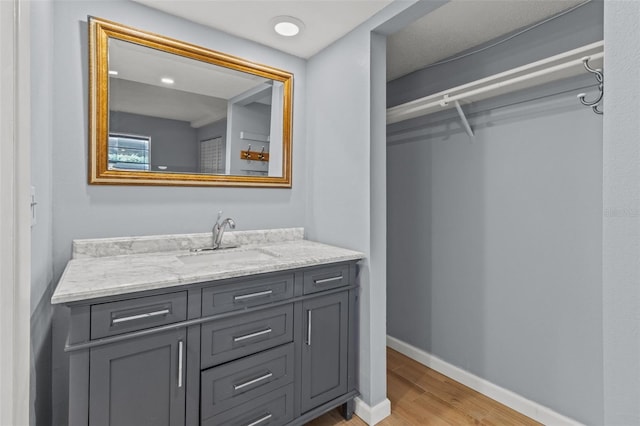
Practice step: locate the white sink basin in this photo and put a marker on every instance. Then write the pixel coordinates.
(217, 257)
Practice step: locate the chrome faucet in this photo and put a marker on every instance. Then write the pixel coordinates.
(218, 229)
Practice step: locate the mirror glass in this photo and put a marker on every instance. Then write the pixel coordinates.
(175, 113)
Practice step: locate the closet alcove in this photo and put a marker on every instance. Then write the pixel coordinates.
(494, 227)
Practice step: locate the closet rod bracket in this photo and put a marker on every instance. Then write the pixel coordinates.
(465, 123)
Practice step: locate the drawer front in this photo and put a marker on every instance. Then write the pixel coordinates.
(321, 279)
(242, 335)
(273, 409)
(252, 292)
(240, 381)
(108, 319)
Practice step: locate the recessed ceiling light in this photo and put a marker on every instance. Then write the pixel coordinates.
(167, 80)
(113, 72)
(287, 26)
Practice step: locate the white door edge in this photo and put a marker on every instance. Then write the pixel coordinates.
(15, 233)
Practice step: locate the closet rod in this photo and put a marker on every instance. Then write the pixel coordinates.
(499, 85)
(565, 65)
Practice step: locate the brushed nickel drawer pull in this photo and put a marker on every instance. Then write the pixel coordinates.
(263, 419)
(253, 381)
(140, 316)
(252, 335)
(252, 295)
(328, 280)
(180, 355)
(309, 327)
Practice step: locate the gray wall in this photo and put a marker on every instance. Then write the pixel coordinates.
(338, 181)
(254, 118)
(345, 165)
(174, 143)
(494, 244)
(41, 232)
(213, 130)
(83, 211)
(621, 221)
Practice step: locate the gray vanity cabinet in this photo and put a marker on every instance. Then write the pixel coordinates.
(324, 353)
(138, 382)
(270, 349)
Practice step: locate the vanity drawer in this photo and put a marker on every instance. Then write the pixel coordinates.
(273, 409)
(251, 292)
(240, 381)
(108, 319)
(242, 335)
(325, 278)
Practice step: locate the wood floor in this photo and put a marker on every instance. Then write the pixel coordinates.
(422, 396)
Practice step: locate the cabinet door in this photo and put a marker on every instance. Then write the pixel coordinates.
(324, 349)
(139, 382)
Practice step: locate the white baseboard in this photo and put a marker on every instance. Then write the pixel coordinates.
(375, 414)
(506, 397)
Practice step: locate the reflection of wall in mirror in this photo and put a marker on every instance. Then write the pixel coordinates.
(277, 112)
(248, 116)
(174, 143)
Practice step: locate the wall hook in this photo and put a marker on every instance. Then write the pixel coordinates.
(597, 72)
(254, 155)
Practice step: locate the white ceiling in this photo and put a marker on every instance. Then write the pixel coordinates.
(460, 25)
(198, 95)
(456, 26)
(139, 63)
(325, 20)
(154, 101)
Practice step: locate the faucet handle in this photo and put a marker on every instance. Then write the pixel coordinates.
(219, 217)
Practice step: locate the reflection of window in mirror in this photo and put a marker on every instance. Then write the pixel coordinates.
(212, 156)
(128, 152)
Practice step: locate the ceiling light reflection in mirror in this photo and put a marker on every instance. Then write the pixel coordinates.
(198, 118)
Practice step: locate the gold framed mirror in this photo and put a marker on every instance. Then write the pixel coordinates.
(166, 112)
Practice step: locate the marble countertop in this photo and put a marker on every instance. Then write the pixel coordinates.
(110, 267)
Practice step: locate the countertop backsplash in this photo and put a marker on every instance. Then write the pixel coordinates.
(105, 247)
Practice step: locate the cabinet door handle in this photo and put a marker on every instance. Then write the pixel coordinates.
(140, 316)
(309, 327)
(327, 280)
(253, 381)
(180, 354)
(252, 335)
(260, 420)
(252, 295)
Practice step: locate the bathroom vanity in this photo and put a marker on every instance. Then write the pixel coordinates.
(261, 334)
